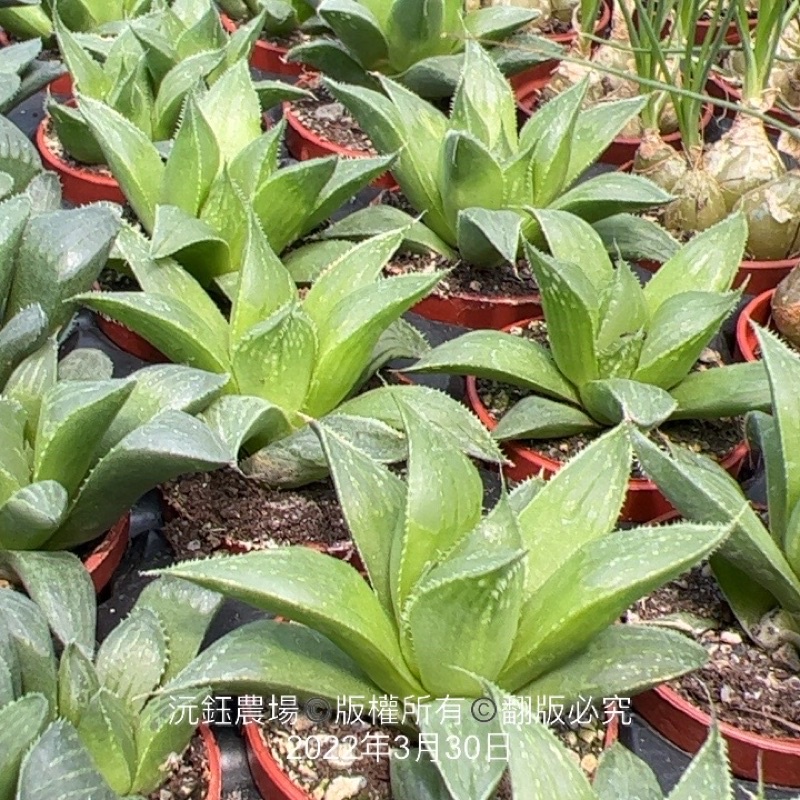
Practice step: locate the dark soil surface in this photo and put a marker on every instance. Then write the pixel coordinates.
(287, 42)
(223, 511)
(714, 438)
(750, 688)
(112, 281)
(330, 120)
(190, 776)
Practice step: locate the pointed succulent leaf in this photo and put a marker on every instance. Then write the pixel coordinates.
(72, 131)
(485, 108)
(170, 444)
(616, 400)
(315, 590)
(571, 310)
(270, 657)
(463, 615)
(707, 263)
(18, 157)
(487, 236)
(679, 330)
(87, 74)
(569, 238)
(132, 158)
(620, 661)
(438, 408)
(167, 323)
(722, 392)
(31, 639)
(23, 334)
(583, 500)
(256, 162)
(623, 309)
(74, 416)
(353, 329)
(595, 585)
(185, 612)
(140, 636)
(59, 766)
(442, 504)
(400, 340)
(636, 238)
(416, 778)
(536, 417)
(762, 434)
(499, 356)
(609, 194)
(61, 587)
(702, 490)
(77, 683)
(708, 774)
(32, 514)
(275, 359)
(21, 723)
(372, 500)
(330, 58)
(106, 731)
(358, 30)
(237, 420)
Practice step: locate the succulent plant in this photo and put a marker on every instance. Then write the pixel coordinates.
(22, 73)
(539, 766)
(281, 17)
(289, 354)
(758, 569)
(94, 723)
(454, 599)
(475, 180)
(47, 257)
(196, 206)
(419, 44)
(147, 73)
(617, 350)
(78, 453)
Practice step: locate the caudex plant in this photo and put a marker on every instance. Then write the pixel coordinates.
(291, 355)
(47, 256)
(84, 721)
(758, 569)
(742, 170)
(474, 179)
(421, 45)
(525, 596)
(77, 453)
(539, 767)
(617, 350)
(221, 167)
(147, 72)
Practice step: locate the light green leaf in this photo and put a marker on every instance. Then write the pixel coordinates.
(616, 400)
(621, 775)
(537, 417)
(21, 723)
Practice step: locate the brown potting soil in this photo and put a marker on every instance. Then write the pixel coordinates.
(54, 143)
(223, 511)
(330, 120)
(755, 690)
(189, 776)
(112, 281)
(287, 42)
(349, 760)
(715, 438)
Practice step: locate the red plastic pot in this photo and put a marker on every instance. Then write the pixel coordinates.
(539, 74)
(304, 144)
(266, 56)
(274, 784)
(704, 29)
(103, 561)
(644, 501)
(214, 763)
(478, 311)
(62, 85)
(129, 341)
(759, 311)
(80, 186)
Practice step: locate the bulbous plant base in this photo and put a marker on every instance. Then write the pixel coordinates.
(266, 56)
(477, 311)
(274, 784)
(304, 144)
(752, 756)
(80, 186)
(644, 501)
(103, 561)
